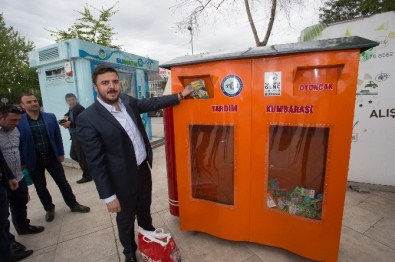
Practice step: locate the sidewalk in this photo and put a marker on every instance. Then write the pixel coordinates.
(368, 232)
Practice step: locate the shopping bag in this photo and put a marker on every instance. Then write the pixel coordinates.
(157, 246)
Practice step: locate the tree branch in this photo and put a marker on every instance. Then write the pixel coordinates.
(270, 25)
(253, 28)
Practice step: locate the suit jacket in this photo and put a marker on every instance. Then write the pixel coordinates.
(27, 148)
(108, 149)
(76, 111)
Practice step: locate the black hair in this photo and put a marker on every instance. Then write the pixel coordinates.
(69, 95)
(5, 110)
(25, 94)
(102, 69)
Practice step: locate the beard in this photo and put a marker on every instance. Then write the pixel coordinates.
(109, 97)
(33, 108)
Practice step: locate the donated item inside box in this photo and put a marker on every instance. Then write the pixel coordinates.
(199, 89)
(297, 163)
(298, 201)
(201, 85)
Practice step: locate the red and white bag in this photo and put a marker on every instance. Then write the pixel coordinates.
(157, 246)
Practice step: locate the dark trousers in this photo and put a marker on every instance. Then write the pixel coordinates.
(55, 169)
(78, 155)
(18, 206)
(5, 245)
(137, 205)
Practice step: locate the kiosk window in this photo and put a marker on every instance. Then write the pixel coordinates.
(297, 163)
(55, 74)
(212, 163)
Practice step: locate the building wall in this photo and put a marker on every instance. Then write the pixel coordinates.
(373, 144)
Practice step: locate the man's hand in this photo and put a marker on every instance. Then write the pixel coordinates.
(187, 91)
(61, 158)
(66, 124)
(13, 183)
(114, 206)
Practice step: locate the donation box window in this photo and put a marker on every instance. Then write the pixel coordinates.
(212, 163)
(297, 161)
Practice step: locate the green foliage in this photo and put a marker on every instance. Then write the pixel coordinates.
(16, 76)
(89, 28)
(342, 10)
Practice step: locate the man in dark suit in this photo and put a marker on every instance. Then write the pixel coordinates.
(118, 152)
(69, 122)
(41, 149)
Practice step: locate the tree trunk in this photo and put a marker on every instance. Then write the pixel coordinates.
(253, 28)
(270, 24)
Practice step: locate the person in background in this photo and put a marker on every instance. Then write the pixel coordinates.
(75, 151)
(42, 149)
(18, 198)
(119, 153)
(8, 182)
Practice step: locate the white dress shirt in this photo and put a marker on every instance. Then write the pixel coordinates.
(131, 129)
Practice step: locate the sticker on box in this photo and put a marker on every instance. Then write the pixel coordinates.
(231, 85)
(272, 84)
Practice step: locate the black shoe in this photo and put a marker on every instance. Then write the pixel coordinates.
(31, 230)
(16, 246)
(80, 209)
(50, 215)
(131, 259)
(19, 255)
(84, 180)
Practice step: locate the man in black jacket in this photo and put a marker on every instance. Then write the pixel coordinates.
(70, 122)
(119, 154)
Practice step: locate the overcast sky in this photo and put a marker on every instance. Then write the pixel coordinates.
(148, 27)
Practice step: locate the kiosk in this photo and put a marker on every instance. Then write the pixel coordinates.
(263, 155)
(66, 67)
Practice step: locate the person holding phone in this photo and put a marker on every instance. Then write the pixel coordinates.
(69, 122)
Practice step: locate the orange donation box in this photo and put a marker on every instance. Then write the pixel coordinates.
(262, 147)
